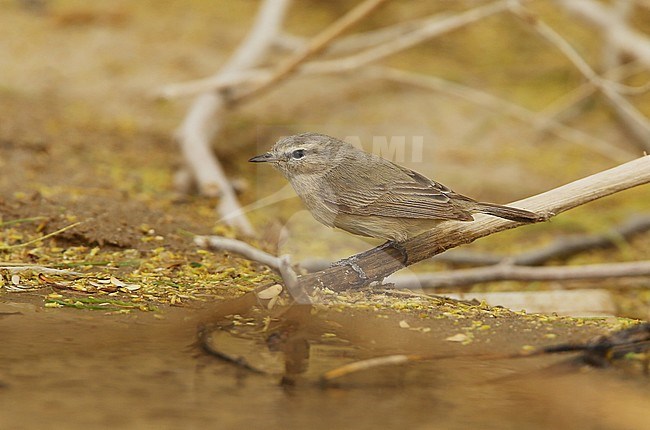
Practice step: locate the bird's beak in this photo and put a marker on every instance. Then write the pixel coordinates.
(264, 158)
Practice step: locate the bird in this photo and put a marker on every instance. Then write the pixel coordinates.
(367, 195)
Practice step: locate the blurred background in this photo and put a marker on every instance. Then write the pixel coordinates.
(109, 117)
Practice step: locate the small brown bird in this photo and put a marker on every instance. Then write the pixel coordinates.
(367, 195)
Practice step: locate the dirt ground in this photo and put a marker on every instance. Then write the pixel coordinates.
(87, 156)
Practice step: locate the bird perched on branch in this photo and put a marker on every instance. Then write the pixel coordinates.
(367, 195)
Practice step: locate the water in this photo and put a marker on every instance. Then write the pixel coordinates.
(73, 369)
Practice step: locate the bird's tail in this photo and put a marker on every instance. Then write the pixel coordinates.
(513, 214)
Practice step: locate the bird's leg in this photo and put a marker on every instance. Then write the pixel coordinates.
(353, 261)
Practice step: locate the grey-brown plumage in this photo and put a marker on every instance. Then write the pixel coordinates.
(367, 195)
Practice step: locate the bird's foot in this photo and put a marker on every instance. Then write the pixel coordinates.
(353, 263)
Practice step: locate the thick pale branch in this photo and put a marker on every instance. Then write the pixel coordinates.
(204, 118)
(378, 264)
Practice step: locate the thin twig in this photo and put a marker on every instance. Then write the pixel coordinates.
(513, 110)
(238, 247)
(567, 101)
(431, 29)
(628, 40)
(562, 248)
(509, 272)
(612, 91)
(369, 363)
(611, 53)
(377, 46)
(21, 220)
(315, 46)
(47, 236)
(565, 48)
(281, 265)
(21, 267)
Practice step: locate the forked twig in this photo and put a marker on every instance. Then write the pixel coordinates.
(205, 117)
(315, 46)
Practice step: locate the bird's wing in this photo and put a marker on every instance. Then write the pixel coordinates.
(393, 191)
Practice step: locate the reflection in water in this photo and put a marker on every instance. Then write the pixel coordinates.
(136, 371)
(294, 345)
(257, 340)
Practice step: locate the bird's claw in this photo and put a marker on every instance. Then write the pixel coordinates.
(353, 263)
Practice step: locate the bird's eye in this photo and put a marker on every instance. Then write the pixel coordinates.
(298, 153)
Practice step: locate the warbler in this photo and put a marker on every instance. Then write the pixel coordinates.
(367, 195)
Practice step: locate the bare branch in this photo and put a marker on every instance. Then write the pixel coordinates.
(611, 53)
(560, 249)
(315, 46)
(627, 40)
(369, 363)
(238, 247)
(635, 120)
(204, 119)
(419, 31)
(281, 265)
(22, 267)
(38, 239)
(565, 47)
(211, 83)
(431, 29)
(509, 272)
(559, 108)
(513, 110)
(255, 47)
(379, 262)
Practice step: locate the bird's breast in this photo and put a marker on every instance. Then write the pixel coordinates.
(314, 193)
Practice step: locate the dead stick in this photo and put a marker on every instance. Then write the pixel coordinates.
(508, 272)
(560, 249)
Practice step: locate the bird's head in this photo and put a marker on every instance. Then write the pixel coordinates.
(305, 154)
